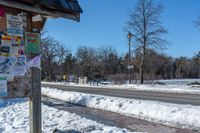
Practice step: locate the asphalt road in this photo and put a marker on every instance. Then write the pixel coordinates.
(178, 98)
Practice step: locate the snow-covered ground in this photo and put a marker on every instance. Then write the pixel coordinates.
(172, 86)
(14, 118)
(187, 116)
(14, 115)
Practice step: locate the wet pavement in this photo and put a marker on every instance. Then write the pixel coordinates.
(114, 119)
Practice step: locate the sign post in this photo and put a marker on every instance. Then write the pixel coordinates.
(35, 102)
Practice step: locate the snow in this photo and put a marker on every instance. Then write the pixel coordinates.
(14, 118)
(171, 86)
(186, 116)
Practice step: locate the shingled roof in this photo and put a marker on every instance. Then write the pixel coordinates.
(69, 9)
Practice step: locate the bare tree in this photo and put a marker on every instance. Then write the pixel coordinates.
(109, 61)
(146, 27)
(197, 22)
(87, 59)
(53, 56)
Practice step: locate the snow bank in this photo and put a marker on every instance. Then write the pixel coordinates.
(14, 118)
(171, 86)
(170, 114)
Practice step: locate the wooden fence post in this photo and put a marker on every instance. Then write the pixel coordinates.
(35, 102)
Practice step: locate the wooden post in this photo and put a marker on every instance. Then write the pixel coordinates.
(35, 102)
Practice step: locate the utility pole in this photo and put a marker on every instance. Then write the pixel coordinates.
(129, 54)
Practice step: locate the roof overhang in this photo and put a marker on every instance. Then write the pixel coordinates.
(37, 8)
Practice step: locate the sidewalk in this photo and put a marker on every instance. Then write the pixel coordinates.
(114, 119)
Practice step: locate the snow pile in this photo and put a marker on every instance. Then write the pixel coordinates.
(14, 118)
(179, 81)
(60, 83)
(170, 114)
(171, 86)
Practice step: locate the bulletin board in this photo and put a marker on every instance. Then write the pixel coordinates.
(19, 52)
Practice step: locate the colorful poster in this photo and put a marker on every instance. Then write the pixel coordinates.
(14, 25)
(6, 40)
(32, 43)
(3, 86)
(11, 41)
(12, 45)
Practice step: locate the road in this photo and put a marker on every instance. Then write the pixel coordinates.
(178, 98)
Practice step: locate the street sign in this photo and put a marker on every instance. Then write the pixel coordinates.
(130, 66)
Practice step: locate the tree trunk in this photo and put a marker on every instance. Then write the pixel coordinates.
(142, 66)
(142, 70)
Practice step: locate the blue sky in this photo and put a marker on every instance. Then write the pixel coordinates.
(103, 21)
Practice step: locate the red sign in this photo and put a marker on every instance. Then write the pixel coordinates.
(2, 12)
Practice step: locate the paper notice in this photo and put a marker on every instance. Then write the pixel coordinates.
(20, 66)
(14, 25)
(3, 86)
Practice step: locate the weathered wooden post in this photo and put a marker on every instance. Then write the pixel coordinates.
(35, 102)
(20, 24)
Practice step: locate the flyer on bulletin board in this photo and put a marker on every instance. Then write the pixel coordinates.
(14, 25)
(6, 64)
(19, 68)
(3, 86)
(32, 43)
